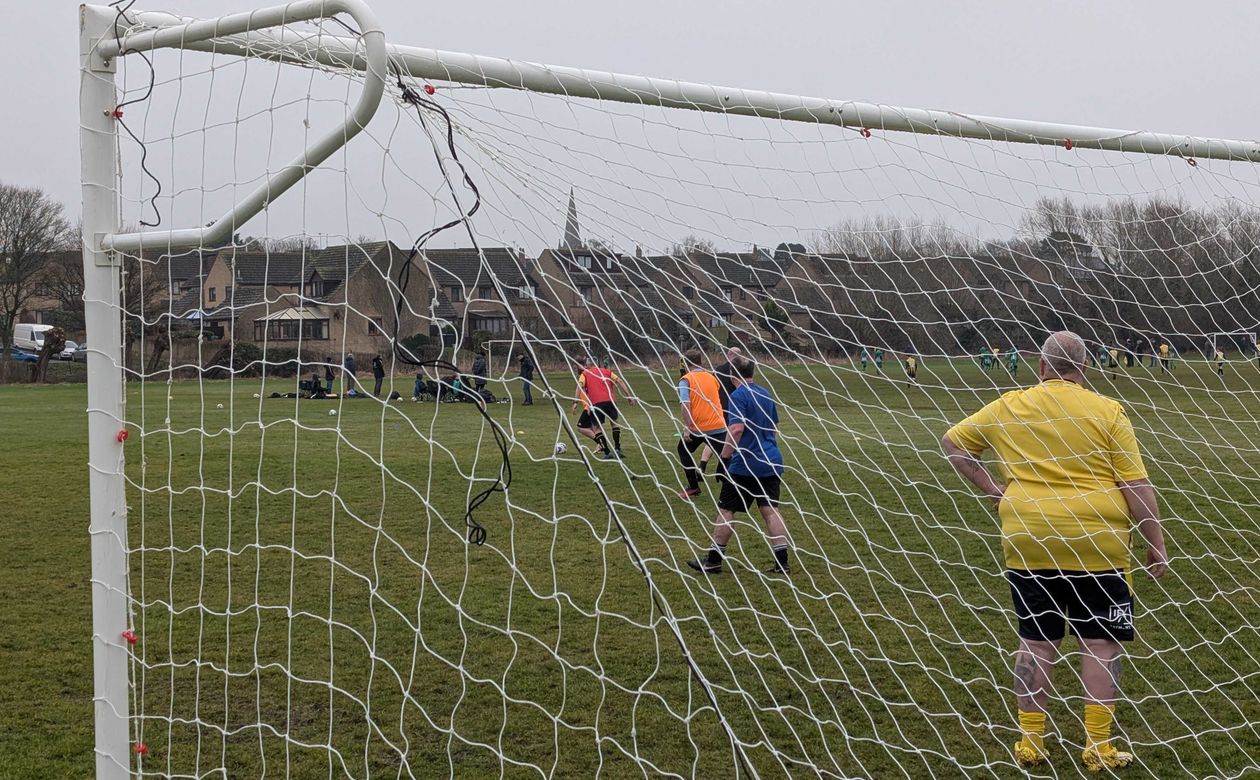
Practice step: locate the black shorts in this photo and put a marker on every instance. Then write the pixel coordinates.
(598, 414)
(741, 491)
(1096, 604)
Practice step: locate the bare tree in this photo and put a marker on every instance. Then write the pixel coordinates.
(32, 226)
(693, 243)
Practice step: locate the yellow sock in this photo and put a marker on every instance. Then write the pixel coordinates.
(1098, 719)
(1033, 726)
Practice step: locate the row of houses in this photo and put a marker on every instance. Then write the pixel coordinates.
(345, 298)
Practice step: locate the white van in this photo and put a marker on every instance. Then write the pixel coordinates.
(29, 336)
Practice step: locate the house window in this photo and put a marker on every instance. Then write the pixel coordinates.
(586, 292)
(290, 330)
(176, 288)
(375, 326)
(490, 324)
(227, 293)
(689, 292)
(717, 321)
(486, 292)
(584, 261)
(456, 294)
(528, 292)
(213, 294)
(608, 263)
(742, 293)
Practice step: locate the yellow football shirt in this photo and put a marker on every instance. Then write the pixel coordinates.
(1163, 350)
(1062, 449)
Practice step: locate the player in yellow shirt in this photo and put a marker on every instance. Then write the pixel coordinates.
(1220, 362)
(912, 368)
(1164, 352)
(1072, 487)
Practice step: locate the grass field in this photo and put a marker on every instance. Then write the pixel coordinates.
(304, 611)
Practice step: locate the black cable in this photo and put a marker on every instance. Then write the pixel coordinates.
(476, 532)
(121, 9)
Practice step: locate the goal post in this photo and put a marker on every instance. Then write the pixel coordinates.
(294, 574)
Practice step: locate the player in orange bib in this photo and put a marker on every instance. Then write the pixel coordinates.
(702, 418)
(595, 390)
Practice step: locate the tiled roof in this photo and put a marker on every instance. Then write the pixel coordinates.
(256, 267)
(190, 300)
(442, 307)
(464, 267)
(739, 269)
(242, 297)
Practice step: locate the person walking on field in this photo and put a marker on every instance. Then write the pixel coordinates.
(527, 379)
(479, 371)
(753, 473)
(348, 365)
(1073, 487)
(329, 376)
(378, 373)
(701, 417)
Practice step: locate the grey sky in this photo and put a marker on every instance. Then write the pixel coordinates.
(1147, 66)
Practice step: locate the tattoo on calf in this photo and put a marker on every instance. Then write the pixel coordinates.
(1113, 666)
(1025, 676)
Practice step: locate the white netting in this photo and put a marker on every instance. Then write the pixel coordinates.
(304, 592)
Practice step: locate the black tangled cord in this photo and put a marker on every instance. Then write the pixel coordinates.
(476, 532)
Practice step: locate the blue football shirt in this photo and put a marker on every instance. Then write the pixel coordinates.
(758, 450)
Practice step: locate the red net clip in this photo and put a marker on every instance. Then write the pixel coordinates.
(866, 133)
(141, 749)
(429, 89)
(130, 636)
(1067, 144)
(1193, 163)
(121, 436)
(116, 113)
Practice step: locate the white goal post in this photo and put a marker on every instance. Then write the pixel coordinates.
(105, 40)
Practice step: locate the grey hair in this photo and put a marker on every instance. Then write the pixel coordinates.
(1064, 353)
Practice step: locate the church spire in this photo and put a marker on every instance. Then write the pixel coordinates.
(572, 236)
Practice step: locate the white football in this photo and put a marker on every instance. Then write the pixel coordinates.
(256, 395)
(332, 412)
(220, 406)
(561, 448)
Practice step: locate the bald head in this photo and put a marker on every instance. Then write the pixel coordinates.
(1063, 356)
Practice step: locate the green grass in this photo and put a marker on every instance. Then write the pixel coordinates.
(305, 612)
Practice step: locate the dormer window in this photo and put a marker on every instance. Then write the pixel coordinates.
(584, 261)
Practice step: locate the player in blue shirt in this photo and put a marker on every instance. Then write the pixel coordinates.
(754, 466)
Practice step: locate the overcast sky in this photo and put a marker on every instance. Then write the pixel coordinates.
(1165, 66)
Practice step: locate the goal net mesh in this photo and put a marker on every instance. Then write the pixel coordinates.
(307, 590)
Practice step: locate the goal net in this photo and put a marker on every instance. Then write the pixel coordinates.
(323, 577)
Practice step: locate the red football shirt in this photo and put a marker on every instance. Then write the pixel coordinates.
(598, 383)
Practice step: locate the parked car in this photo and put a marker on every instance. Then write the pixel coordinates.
(68, 352)
(22, 356)
(29, 337)
(80, 353)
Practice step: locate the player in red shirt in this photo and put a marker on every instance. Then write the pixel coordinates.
(596, 392)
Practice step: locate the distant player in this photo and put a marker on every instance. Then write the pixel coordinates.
(595, 391)
(986, 359)
(1012, 362)
(1113, 358)
(866, 354)
(1164, 352)
(1220, 363)
(754, 471)
(879, 360)
(701, 416)
(912, 368)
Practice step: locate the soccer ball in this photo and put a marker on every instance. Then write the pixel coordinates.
(220, 406)
(332, 412)
(561, 448)
(256, 395)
